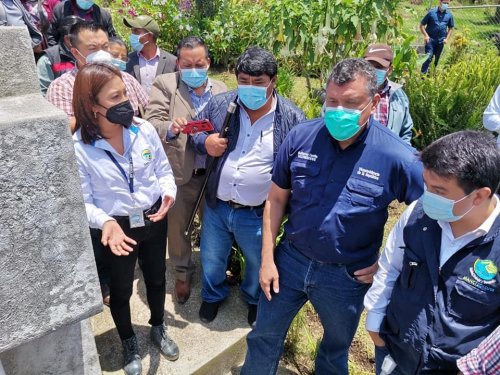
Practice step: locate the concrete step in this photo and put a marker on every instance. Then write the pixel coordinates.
(216, 349)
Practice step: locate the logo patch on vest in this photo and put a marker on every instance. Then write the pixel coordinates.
(147, 154)
(484, 271)
(307, 156)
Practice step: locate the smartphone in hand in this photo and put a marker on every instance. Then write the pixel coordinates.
(193, 127)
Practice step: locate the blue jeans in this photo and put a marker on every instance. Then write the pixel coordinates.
(433, 49)
(336, 296)
(222, 226)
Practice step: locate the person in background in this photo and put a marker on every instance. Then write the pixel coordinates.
(85, 9)
(436, 295)
(175, 99)
(485, 359)
(334, 177)
(89, 43)
(147, 61)
(239, 184)
(13, 13)
(118, 50)
(57, 60)
(491, 115)
(128, 188)
(436, 26)
(393, 108)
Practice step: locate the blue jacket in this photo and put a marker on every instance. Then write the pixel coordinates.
(399, 120)
(287, 116)
(436, 316)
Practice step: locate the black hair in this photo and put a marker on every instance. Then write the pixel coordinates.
(66, 24)
(116, 40)
(349, 69)
(78, 27)
(191, 42)
(472, 157)
(256, 61)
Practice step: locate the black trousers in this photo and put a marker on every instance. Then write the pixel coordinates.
(151, 250)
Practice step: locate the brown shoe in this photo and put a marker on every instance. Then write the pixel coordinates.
(182, 291)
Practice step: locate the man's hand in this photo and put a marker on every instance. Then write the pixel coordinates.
(365, 275)
(113, 236)
(427, 39)
(177, 125)
(269, 278)
(162, 211)
(376, 339)
(445, 41)
(215, 146)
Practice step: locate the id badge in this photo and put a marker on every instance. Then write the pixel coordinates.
(136, 218)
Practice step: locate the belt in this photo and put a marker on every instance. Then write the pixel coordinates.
(199, 171)
(152, 210)
(238, 205)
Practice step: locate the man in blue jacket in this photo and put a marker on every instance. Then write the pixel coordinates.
(240, 181)
(436, 295)
(393, 108)
(334, 177)
(439, 25)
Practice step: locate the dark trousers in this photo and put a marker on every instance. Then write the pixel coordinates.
(151, 250)
(433, 49)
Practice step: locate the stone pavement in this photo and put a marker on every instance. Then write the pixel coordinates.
(214, 349)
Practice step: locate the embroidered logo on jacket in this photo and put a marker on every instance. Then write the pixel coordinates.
(147, 154)
(307, 156)
(484, 271)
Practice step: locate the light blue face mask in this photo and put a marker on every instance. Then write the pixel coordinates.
(253, 97)
(194, 78)
(381, 73)
(120, 64)
(342, 123)
(135, 43)
(84, 4)
(444, 7)
(441, 208)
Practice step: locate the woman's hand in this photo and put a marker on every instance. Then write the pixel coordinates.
(162, 211)
(113, 236)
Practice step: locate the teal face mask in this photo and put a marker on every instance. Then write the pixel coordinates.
(381, 73)
(84, 4)
(120, 64)
(342, 123)
(252, 97)
(441, 208)
(194, 78)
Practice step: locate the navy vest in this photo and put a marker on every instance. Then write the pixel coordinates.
(437, 316)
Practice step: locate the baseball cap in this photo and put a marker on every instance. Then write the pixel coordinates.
(380, 53)
(143, 22)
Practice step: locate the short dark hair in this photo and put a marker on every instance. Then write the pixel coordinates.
(256, 61)
(66, 24)
(78, 27)
(191, 42)
(116, 40)
(89, 82)
(349, 69)
(472, 157)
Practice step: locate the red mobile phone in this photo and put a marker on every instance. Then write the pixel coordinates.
(193, 127)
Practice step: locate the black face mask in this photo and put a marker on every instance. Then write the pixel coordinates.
(121, 113)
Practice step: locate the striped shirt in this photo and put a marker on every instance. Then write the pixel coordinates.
(382, 111)
(60, 92)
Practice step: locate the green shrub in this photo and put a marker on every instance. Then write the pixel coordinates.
(453, 98)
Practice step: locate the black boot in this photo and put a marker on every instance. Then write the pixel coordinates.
(132, 359)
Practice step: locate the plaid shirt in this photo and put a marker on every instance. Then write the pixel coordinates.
(382, 111)
(60, 92)
(485, 359)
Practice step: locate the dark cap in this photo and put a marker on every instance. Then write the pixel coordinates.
(143, 22)
(380, 53)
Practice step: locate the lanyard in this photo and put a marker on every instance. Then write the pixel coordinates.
(130, 169)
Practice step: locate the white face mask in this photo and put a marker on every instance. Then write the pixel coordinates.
(98, 57)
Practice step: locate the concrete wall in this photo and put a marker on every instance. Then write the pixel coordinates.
(48, 278)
